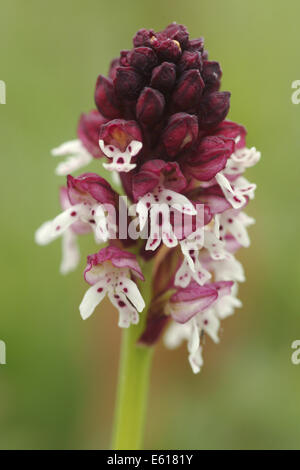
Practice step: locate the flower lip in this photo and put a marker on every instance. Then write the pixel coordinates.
(118, 258)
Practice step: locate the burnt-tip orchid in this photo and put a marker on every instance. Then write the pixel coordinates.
(170, 235)
(160, 125)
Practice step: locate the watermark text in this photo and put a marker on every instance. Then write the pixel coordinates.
(2, 92)
(2, 352)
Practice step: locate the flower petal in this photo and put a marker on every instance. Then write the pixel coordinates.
(79, 157)
(52, 229)
(93, 296)
(130, 289)
(127, 313)
(70, 252)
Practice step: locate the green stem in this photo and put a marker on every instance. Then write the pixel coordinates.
(135, 362)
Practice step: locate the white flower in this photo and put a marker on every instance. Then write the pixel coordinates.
(208, 322)
(78, 157)
(235, 223)
(227, 269)
(92, 215)
(236, 192)
(109, 272)
(242, 159)
(191, 266)
(157, 206)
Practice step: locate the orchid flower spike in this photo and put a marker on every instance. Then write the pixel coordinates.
(179, 165)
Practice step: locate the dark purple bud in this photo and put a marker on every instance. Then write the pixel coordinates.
(205, 55)
(211, 75)
(213, 109)
(196, 44)
(105, 98)
(88, 131)
(167, 50)
(187, 94)
(164, 76)
(190, 60)
(124, 58)
(143, 37)
(210, 157)
(181, 133)
(113, 67)
(143, 59)
(178, 32)
(90, 187)
(128, 83)
(150, 106)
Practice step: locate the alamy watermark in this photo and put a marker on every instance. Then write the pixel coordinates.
(124, 221)
(2, 352)
(2, 92)
(296, 94)
(295, 357)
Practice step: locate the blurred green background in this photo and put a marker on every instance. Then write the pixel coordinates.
(57, 390)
